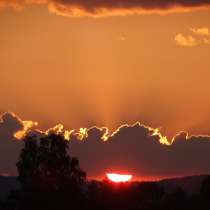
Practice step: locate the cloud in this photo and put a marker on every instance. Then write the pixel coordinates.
(26, 125)
(12, 130)
(199, 37)
(204, 31)
(10, 124)
(186, 41)
(134, 148)
(206, 41)
(99, 8)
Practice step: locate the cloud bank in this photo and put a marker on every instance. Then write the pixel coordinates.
(135, 148)
(99, 8)
(197, 37)
(12, 129)
(203, 31)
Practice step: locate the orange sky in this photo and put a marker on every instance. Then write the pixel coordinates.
(106, 71)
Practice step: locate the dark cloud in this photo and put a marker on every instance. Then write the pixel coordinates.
(9, 147)
(12, 129)
(91, 5)
(136, 149)
(111, 7)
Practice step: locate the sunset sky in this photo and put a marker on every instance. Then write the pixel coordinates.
(107, 63)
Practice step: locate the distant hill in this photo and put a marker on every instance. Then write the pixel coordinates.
(190, 184)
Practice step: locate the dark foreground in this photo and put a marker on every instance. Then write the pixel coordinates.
(172, 194)
(49, 178)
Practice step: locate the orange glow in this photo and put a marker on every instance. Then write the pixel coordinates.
(96, 85)
(27, 125)
(119, 177)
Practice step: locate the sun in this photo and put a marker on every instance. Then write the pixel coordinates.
(119, 177)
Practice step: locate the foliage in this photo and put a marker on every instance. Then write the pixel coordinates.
(49, 176)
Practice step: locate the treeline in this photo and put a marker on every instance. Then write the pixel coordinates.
(51, 179)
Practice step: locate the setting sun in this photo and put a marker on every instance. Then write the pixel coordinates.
(119, 177)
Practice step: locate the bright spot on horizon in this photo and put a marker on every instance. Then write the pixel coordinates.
(119, 177)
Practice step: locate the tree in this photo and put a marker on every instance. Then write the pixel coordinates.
(205, 188)
(177, 200)
(205, 193)
(47, 171)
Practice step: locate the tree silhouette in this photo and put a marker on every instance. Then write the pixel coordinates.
(205, 193)
(49, 176)
(205, 188)
(177, 200)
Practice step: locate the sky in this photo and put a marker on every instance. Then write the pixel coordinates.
(106, 64)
